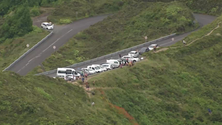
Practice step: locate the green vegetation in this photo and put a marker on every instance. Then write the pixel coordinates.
(47, 101)
(17, 24)
(77, 9)
(212, 7)
(177, 86)
(11, 49)
(35, 11)
(122, 30)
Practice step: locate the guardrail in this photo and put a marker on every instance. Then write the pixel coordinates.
(111, 55)
(36, 45)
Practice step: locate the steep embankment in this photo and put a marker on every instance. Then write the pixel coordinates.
(43, 100)
(212, 7)
(177, 86)
(69, 11)
(122, 30)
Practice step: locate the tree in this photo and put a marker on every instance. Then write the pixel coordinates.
(18, 24)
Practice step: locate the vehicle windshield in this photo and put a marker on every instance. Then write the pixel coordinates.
(68, 71)
(97, 67)
(105, 65)
(152, 46)
(132, 52)
(60, 71)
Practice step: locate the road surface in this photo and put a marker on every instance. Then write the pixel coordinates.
(201, 19)
(62, 34)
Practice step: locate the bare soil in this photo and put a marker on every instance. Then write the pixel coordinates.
(43, 17)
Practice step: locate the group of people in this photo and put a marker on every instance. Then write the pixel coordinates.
(125, 62)
(84, 79)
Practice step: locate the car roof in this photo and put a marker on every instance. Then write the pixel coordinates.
(153, 44)
(106, 64)
(126, 56)
(133, 51)
(65, 69)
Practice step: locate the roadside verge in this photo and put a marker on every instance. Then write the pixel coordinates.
(35, 46)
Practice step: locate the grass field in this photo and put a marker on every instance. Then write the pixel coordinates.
(176, 86)
(122, 30)
(12, 49)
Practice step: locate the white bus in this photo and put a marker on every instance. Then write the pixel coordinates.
(63, 72)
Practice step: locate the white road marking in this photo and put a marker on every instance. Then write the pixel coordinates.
(43, 51)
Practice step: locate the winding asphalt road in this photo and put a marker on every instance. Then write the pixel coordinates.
(63, 33)
(200, 18)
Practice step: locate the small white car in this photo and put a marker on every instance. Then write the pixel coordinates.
(101, 68)
(130, 58)
(88, 71)
(107, 66)
(114, 62)
(97, 69)
(47, 25)
(133, 54)
(152, 46)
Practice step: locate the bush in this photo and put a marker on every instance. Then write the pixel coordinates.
(65, 21)
(35, 11)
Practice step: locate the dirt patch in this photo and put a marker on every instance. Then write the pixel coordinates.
(125, 113)
(43, 17)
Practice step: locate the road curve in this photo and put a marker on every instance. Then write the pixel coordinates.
(61, 35)
(200, 18)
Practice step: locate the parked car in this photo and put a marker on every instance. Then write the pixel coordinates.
(96, 68)
(152, 46)
(63, 72)
(124, 58)
(108, 66)
(47, 25)
(115, 62)
(88, 71)
(133, 54)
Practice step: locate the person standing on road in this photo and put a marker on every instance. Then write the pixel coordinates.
(120, 56)
(127, 60)
(184, 42)
(154, 49)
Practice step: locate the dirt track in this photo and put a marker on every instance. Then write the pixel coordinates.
(43, 17)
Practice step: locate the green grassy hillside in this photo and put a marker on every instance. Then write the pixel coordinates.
(173, 87)
(46, 101)
(212, 7)
(11, 49)
(122, 30)
(176, 86)
(71, 10)
(66, 10)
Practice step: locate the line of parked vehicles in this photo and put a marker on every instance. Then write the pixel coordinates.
(72, 74)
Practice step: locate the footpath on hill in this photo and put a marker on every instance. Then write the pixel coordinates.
(164, 49)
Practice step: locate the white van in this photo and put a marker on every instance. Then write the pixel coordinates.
(63, 72)
(115, 62)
